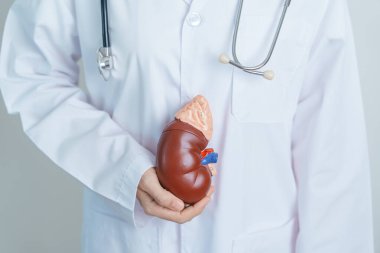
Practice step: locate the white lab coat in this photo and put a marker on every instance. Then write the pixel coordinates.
(293, 172)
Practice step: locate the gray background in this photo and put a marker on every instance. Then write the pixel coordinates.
(40, 205)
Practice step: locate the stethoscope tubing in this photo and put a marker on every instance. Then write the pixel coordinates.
(105, 57)
(105, 32)
(254, 69)
(104, 54)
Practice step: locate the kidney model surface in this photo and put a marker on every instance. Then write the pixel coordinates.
(184, 165)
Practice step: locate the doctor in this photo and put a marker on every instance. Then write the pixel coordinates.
(293, 172)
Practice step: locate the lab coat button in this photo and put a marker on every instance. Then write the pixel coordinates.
(194, 19)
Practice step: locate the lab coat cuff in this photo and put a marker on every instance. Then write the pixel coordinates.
(128, 189)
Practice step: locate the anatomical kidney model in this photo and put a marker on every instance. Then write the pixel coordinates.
(183, 164)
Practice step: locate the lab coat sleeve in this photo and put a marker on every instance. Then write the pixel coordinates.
(329, 145)
(39, 80)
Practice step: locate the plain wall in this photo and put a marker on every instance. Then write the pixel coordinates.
(40, 205)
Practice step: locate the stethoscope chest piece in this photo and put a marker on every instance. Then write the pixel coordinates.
(105, 62)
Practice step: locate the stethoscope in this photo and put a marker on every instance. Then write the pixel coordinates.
(105, 57)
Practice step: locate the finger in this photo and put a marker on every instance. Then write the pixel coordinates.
(148, 203)
(212, 169)
(210, 190)
(166, 199)
(152, 208)
(179, 217)
(194, 210)
(144, 198)
(163, 197)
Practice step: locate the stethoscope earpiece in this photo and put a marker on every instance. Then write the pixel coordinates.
(268, 74)
(223, 58)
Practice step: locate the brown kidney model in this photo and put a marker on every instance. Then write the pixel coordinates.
(178, 159)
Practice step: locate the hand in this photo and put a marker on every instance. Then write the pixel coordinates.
(159, 202)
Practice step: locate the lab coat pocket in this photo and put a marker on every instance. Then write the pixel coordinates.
(255, 99)
(280, 239)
